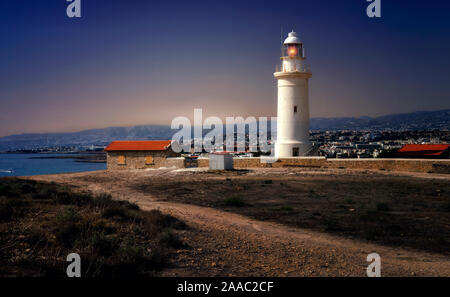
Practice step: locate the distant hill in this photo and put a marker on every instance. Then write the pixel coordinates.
(86, 137)
(420, 120)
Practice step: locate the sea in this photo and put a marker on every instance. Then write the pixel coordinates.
(23, 165)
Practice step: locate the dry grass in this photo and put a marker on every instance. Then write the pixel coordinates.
(391, 210)
(41, 223)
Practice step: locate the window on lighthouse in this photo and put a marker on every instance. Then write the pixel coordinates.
(292, 51)
(295, 109)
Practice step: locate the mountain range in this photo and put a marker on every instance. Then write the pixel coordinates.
(420, 120)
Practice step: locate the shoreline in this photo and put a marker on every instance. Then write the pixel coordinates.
(83, 158)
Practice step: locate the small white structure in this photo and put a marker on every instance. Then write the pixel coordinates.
(293, 101)
(220, 161)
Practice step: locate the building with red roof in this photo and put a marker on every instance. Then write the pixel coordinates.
(140, 154)
(139, 145)
(424, 151)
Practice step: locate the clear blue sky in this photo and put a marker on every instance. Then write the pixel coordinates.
(127, 62)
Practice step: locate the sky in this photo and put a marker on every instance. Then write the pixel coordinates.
(137, 62)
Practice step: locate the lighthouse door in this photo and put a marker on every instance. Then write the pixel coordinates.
(295, 152)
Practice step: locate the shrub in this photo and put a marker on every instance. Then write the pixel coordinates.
(101, 244)
(155, 221)
(128, 205)
(35, 236)
(330, 223)
(102, 201)
(6, 210)
(67, 214)
(43, 194)
(286, 208)
(121, 213)
(4, 190)
(170, 239)
(381, 206)
(130, 252)
(369, 216)
(67, 227)
(372, 233)
(446, 205)
(234, 201)
(10, 207)
(64, 198)
(313, 194)
(67, 234)
(27, 188)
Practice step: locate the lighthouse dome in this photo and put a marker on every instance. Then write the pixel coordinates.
(292, 38)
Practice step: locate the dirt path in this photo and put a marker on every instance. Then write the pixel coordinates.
(226, 244)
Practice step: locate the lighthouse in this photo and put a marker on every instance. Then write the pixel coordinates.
(293, 101)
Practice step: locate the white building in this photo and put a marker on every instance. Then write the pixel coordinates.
(293, 101)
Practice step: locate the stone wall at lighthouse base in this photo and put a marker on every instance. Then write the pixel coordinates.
(405, 165)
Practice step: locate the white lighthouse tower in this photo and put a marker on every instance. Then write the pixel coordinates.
(293, 101)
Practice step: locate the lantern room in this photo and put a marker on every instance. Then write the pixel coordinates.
(293, 55)
(292, 46)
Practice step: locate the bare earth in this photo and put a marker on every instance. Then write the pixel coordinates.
(222, 243)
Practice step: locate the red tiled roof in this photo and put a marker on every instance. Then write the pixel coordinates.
(139, 145)
(424, 149)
